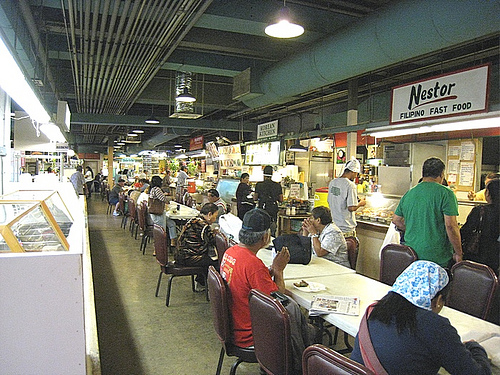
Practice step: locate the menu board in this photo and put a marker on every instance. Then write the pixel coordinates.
(263, 153)
(230, 156)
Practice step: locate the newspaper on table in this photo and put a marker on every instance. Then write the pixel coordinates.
(334, 305)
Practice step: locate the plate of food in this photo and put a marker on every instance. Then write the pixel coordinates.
(309, 286)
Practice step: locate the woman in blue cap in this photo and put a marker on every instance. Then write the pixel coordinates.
(403, 333)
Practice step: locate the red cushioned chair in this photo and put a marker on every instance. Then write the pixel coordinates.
(320, 360)
(394, 259)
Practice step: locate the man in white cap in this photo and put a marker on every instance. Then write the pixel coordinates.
(343, 199)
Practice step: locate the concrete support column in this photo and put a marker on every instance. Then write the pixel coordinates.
(352, 118)
(6, 162)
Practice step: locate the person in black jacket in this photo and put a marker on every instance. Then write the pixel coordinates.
(489, 247)
(244, 201)
(269, 194)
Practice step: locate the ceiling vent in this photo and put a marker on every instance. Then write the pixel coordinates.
(245, 85)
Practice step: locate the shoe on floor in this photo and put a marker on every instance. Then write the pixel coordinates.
(116, 213)
(198, 287)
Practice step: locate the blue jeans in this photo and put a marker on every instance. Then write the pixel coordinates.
(169, 224)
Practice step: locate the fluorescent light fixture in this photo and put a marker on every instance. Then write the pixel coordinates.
(120, 143)
(15, 85)
(395, 131)
(178, 146)
(138, 131)
(297, 147)
(181, 156)
(284, 28)
(185, 97)
(53, 132)
(132, 135)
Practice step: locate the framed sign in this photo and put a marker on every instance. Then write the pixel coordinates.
(448, 95)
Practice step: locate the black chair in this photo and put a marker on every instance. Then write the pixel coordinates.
(221, 244)
(271, 333)
(473, 288)
(123, 207)
(394, 259)
(320, 360)
(219, 300)
(132, 213)
(162, 247)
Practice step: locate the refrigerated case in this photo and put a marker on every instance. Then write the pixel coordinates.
(320, 169)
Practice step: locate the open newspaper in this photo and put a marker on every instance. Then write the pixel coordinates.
(334, 304)
(490, 341)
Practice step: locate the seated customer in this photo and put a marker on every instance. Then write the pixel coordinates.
(214, 197)
(408, 335)
(161, 219)
(243, 271)
(326, 238)
(197, 243)
(114, 193)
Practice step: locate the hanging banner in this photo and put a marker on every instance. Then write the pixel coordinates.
(460, 93)
(196, 143)
(269, 129)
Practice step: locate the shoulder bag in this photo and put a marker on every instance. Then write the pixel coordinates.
(156, 206)
(298, 246)
(366, 347)
(471, 243)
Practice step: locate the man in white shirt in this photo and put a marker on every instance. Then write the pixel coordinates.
(343, 199)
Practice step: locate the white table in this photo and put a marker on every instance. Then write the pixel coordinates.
(368, 291)
(317, 267)
(183, 213)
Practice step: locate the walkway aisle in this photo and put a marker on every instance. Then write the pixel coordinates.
(138, 334)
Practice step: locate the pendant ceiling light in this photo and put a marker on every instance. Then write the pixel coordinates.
(284, 28)
(185, 97)
(297, 147)
(152, 120)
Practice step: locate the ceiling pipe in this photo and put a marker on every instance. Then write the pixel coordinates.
(402, 31)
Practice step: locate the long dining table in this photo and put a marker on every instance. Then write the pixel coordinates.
(342, 281)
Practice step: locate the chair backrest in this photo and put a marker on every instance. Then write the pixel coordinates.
(472, 289)
(352, 250)
(271, 333)
(121, 202)
(394, 259)
(320, 360)
(219, 300)
(141, 215)
(221, 244)
(132, 209)
(160, 244)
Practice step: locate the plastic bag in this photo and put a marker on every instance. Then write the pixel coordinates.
(392, 236)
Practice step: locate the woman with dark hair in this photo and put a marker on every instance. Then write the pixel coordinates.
(489, 247)
(156, 193)
(244, 197)
(407, 334)
(197, 243)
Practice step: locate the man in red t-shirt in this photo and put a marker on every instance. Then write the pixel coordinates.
(243, 271)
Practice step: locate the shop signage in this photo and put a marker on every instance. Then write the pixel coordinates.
(269, 129)
(459, 93)
(196, 143)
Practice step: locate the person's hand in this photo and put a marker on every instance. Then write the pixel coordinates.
(471, 195)
(281, 260)
(362, 202)
(457, 258)
(308, 226)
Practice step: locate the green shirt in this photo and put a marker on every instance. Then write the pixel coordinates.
(423, 208)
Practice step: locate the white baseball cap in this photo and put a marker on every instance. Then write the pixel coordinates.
(353, 166)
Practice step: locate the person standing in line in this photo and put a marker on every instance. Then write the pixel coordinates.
(78, 180)
(481, 194)
(269, 194)
(182, 178)
(343, 199)
(244, 199)
(427, 214)
(89, 180)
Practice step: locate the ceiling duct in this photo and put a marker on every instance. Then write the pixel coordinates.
(183, 109)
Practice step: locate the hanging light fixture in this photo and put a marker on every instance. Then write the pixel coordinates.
(284, 28)
(185, 97)
(151, 120)
(297, 147)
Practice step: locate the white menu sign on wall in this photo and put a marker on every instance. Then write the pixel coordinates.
(460, 93)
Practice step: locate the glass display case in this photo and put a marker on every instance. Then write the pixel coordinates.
(34, 221)
(379, 208)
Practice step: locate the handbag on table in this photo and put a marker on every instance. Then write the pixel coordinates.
(299, 247)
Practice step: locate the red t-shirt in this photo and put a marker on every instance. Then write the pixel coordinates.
(243, 271)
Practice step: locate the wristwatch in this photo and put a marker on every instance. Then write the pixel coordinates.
(315, 235)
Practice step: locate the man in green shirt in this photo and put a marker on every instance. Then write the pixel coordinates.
(428, 215)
